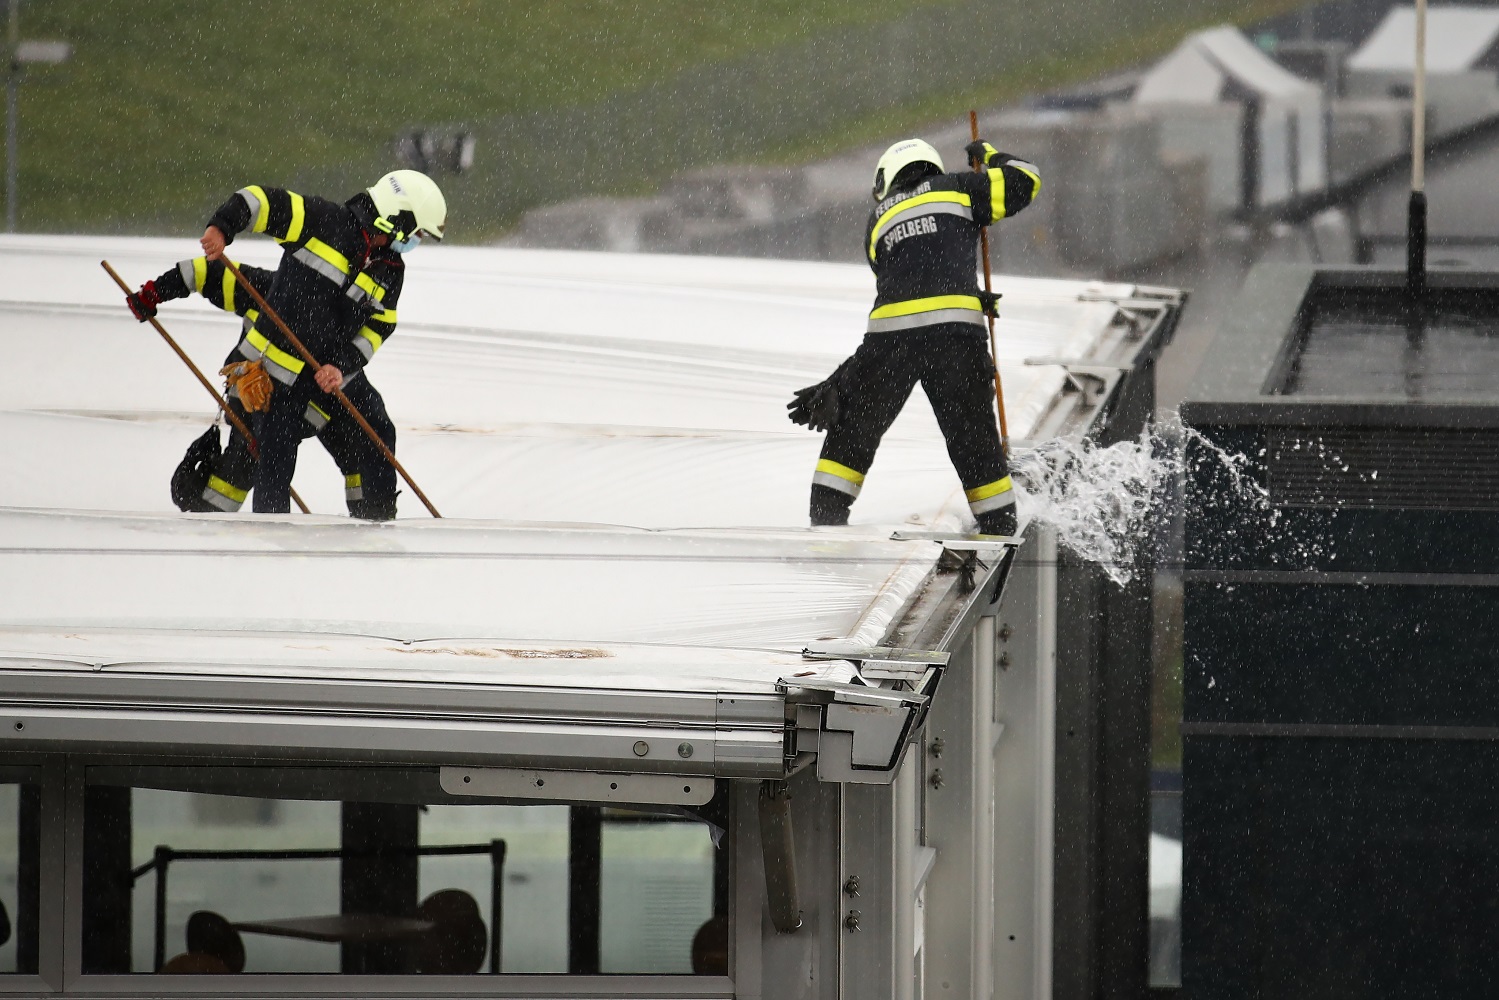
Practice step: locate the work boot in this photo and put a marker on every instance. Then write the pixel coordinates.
(373, 510)
(829, 506)
(999, 522)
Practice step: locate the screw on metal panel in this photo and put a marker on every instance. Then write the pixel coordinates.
(684, 749)
(642, 748)
(936, 780)
(852, 920)
(1004, 661)
(937, 747)
(1005, 632)
(851, 886)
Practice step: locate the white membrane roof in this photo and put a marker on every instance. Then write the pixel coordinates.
(605, 435)
(1457, 38)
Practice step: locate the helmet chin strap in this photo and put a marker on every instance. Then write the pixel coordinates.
(388, 228)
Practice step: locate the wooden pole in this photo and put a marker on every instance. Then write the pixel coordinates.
(353, 411)
(239, 424)
(999, 391)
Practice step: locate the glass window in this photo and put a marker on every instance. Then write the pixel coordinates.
(20, 809)
(1165, 878)
(274, 870)
(657, 892)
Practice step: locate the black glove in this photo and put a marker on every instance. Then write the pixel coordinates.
(981, 154)
(144, 302)
(989, 303)
(816, 406)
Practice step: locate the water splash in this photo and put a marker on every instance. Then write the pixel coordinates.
(1110, 504)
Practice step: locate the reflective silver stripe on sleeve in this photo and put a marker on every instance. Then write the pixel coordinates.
(278, 372)
(252, 201)
(319, 265)
(185, 268)
(360, 295)
(835, 482)
(228, 505)
(929, 208)
(996, 502)
(917, 320)
(1029, 168)
(365, 347)
(316, 419)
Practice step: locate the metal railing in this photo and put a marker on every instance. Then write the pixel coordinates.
(163, 857)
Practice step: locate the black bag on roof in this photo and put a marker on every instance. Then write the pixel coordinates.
(191, 475)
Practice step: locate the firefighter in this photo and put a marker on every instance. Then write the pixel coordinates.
(210, 479)
(325, 288)
(927, 326)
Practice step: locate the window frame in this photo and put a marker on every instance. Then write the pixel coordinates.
(73, 981)
(44, 771)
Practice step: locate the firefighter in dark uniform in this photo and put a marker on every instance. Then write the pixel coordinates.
(210, 480)
(927, 326)
(326, 287)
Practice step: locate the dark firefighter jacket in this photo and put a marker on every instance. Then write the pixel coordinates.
(336, 292)
(922, 243)
(212, 280)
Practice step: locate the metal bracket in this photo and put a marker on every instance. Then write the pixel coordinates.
(960, 543)
(582, 786)
(881, 662)
(864, 731)
(1092, 380)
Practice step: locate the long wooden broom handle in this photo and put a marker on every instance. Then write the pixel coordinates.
(999, 391)
(296, 341)
(239, 424)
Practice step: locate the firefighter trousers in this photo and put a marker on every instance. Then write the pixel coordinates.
(955, 370)
(369, 478)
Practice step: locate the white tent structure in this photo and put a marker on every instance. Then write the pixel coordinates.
(1462, 63)
(1261, 128)
(621, 608)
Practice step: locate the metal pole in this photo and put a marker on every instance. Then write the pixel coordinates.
(12, 112)
(163, 857)
(985, 663)
(1415, 257)
(496, 902)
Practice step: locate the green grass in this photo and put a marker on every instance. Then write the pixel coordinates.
(167, 107)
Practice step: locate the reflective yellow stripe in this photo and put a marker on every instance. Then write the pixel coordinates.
(298, 217)
(276, 354)
(252, 314)
(374, 338)
(265, 208)
(950, 197)
(996, 194)
(912, 306)
(227, 489)
(229, 284)
(388, 316)
(373, 288)
(832, 468)
(319, 409)
(327, 253)
(353, 482)
(200, 274)
(993, 489)
(997, 187)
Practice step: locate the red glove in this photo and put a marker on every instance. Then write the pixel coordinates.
(144, 302)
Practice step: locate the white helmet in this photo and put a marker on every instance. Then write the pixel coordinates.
(900, 156)
(408, 202)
